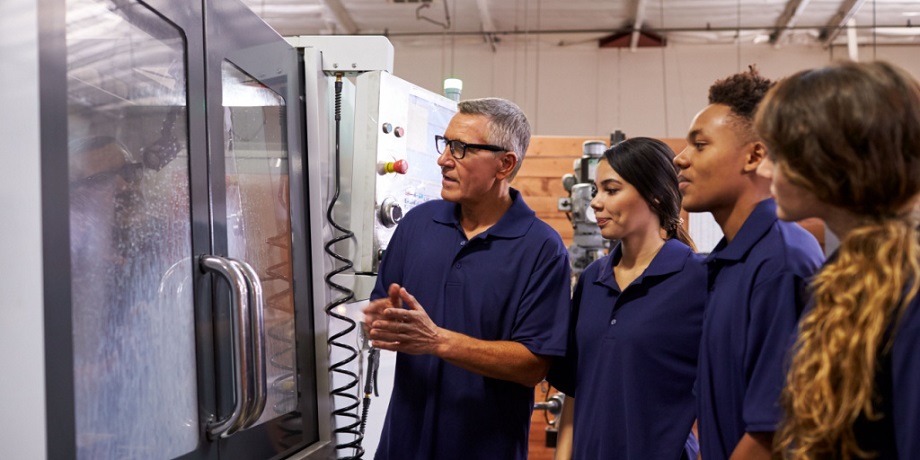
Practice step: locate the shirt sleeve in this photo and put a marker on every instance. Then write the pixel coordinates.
(775, 305)
(542, 319)
(905, 396)
(562, 373)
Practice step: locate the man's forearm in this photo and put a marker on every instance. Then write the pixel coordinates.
(504, 360)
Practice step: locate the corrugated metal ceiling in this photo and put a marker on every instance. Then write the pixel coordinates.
(782, 22)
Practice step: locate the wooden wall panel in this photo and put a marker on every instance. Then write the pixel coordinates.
(540, 178)
(549, 167)
(558, 146)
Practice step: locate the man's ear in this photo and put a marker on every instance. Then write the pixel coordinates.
(509, 162)
(756, 153)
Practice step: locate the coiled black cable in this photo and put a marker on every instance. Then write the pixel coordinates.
(345, 390)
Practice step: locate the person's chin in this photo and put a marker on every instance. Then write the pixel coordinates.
(612, 236)
(449, 195)
(691, 205)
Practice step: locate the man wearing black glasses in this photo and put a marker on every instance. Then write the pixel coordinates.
(473, 293)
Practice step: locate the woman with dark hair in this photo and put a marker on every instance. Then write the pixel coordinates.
(636, 316)
(845, 146)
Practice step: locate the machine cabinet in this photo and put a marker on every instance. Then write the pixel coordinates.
(177, 296)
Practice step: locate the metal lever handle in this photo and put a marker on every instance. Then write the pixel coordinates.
(239, 298)
(257, 358)
(553, 405)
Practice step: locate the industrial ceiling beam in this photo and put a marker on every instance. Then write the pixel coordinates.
(637, 25)
(485, 17)
(488, 26)
(342, 19)
(787, 20)
(846, 11)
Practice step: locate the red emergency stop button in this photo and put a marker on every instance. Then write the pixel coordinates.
(398, 166)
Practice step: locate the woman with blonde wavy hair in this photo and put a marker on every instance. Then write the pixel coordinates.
(845, 147)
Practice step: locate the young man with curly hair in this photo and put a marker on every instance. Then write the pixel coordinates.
(758, 274)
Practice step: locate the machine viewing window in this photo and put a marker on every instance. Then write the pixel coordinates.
(259, 219)
(135, 378)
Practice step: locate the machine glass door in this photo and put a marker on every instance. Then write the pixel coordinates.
(257, 196)
(134, 354)
(259, 221)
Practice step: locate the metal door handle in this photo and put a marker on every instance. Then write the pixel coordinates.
(257, 330)
(240, 330)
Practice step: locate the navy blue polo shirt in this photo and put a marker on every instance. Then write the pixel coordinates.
(511, 282)
(631, 359)
(895, 435)
(897, 388)
(757, 290)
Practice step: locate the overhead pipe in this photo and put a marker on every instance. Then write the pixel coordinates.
(611, 31)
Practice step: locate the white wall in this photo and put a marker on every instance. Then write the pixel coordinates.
(22, 359)
(583, 90)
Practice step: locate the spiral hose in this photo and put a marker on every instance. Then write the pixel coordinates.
(344, 391)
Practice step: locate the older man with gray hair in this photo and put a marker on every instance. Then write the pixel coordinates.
(473, 294)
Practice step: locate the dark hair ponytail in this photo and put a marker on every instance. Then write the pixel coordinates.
(681, 234)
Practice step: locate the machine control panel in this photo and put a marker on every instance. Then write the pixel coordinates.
(395, 160)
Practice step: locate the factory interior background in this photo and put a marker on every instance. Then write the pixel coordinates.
(581, 70)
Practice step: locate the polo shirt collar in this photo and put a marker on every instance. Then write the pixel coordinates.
(757, 224)
(670, 259)
(513, 224)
